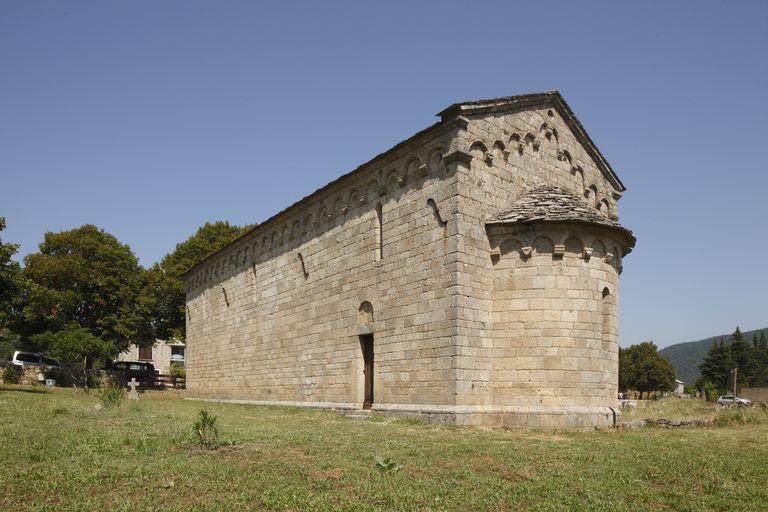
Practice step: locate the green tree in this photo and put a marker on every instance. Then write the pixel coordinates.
(757, 366)
(73, 348)
(642, 368)
(9, 343)
(717, 365)
(163, 293)
(626, 369)
(84, 278)
(740, 353)
(11, 280)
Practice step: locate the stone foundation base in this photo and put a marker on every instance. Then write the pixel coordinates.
(556, 417)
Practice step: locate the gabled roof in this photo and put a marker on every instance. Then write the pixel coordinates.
(449, 119)
(549, 203)
(551, 98)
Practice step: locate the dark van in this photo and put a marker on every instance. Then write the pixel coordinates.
(144, 373)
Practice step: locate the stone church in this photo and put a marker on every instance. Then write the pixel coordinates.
(469, 274)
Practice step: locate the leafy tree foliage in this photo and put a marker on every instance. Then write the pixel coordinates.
(642, 368)
(164, 294)
(9, 343)
(11, 280)
(73, 348)
(710, 392)
(84, 279)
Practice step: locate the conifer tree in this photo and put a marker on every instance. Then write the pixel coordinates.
(740, 352)
(718, 364)
(757, 366)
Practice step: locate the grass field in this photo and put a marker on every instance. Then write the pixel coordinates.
(672, 408)
(58, 452)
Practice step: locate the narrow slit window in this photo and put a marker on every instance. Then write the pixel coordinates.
(379, 232)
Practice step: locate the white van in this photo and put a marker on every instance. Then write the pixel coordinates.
(33, 359)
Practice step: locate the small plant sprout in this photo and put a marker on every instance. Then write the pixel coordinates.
(111, 396)
(205, 430)
(387, 464)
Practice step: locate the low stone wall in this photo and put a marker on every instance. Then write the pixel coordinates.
(757, 395)
(665, 423)
(35, 376)
(32, 375)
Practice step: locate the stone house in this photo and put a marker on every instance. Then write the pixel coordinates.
(161, 355)
(469, 274)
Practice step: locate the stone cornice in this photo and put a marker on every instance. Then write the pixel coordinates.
(459, 156)
(618, 233)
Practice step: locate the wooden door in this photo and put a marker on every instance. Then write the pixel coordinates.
(366, 342)
(145, 353)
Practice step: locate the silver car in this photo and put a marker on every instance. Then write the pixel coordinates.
(730, 400)
(21, 358)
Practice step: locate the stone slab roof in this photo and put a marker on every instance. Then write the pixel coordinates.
(549, 203)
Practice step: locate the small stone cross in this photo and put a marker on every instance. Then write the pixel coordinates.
(133, 394)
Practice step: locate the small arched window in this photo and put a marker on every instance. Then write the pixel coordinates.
(365, 313)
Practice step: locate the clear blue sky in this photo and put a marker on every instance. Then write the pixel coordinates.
(150, 118)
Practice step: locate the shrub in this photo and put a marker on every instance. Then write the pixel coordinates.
(177, 369)
(710, 392)
(741, 416)
(10, 375)
(205, 430)
(728, 417)
(93, 380)
(111, 396)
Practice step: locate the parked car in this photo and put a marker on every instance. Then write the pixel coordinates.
(730, 400)
(144, 373)
(21, 358)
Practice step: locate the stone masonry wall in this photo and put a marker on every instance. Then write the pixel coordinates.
(276, 317)
(512, 153)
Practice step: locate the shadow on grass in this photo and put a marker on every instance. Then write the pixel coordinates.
(22, 389)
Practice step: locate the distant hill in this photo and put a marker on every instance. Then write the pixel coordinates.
(686, 357)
